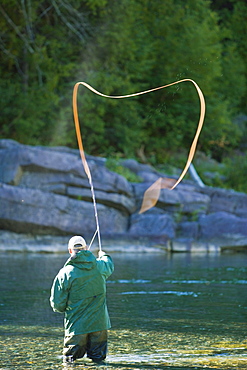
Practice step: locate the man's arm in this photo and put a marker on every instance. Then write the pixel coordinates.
(105, 264)
(59, 293)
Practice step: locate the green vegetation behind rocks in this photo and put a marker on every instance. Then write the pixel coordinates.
(123, 47)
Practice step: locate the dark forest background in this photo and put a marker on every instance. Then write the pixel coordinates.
(121, 47)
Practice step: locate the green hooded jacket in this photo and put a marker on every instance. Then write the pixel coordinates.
(79, 291)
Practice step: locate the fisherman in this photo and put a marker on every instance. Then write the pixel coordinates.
(79, 291)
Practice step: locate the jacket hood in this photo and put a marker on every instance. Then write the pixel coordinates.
(84, 260)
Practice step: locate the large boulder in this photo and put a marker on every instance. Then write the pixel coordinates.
(227, 201)
(212, 232)
(222, 226)
(34, 211)
(160, 227)
(59, 170)
(46, 190)
(18, 161)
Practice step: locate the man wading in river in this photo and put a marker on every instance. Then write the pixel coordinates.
(79, 291)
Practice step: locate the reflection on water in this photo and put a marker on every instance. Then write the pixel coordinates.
(177, 311)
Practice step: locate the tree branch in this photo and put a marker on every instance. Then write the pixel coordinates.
(75, 27)
(16, 29)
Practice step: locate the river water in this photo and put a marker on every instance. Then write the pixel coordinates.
(168, 311)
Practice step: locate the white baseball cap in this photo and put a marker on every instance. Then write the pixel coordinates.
(77, 242)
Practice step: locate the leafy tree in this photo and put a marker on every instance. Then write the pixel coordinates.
(37, 64)
(233, 25)
(122, 47)
(141, 44)
(236, 172)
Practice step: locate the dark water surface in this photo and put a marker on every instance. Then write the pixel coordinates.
(179, 311)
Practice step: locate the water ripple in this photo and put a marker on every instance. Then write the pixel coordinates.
(162, 292)
(142, 281)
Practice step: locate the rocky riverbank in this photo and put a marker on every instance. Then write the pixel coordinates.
(45, 198)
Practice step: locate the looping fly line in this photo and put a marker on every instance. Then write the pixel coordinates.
(151, 195)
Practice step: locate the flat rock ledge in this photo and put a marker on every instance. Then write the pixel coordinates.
(45, 198)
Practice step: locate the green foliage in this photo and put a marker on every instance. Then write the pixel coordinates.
(122, 47)
(114, 164)
(232, 19)
(236, 173)
(37, 64)
(151, 44)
